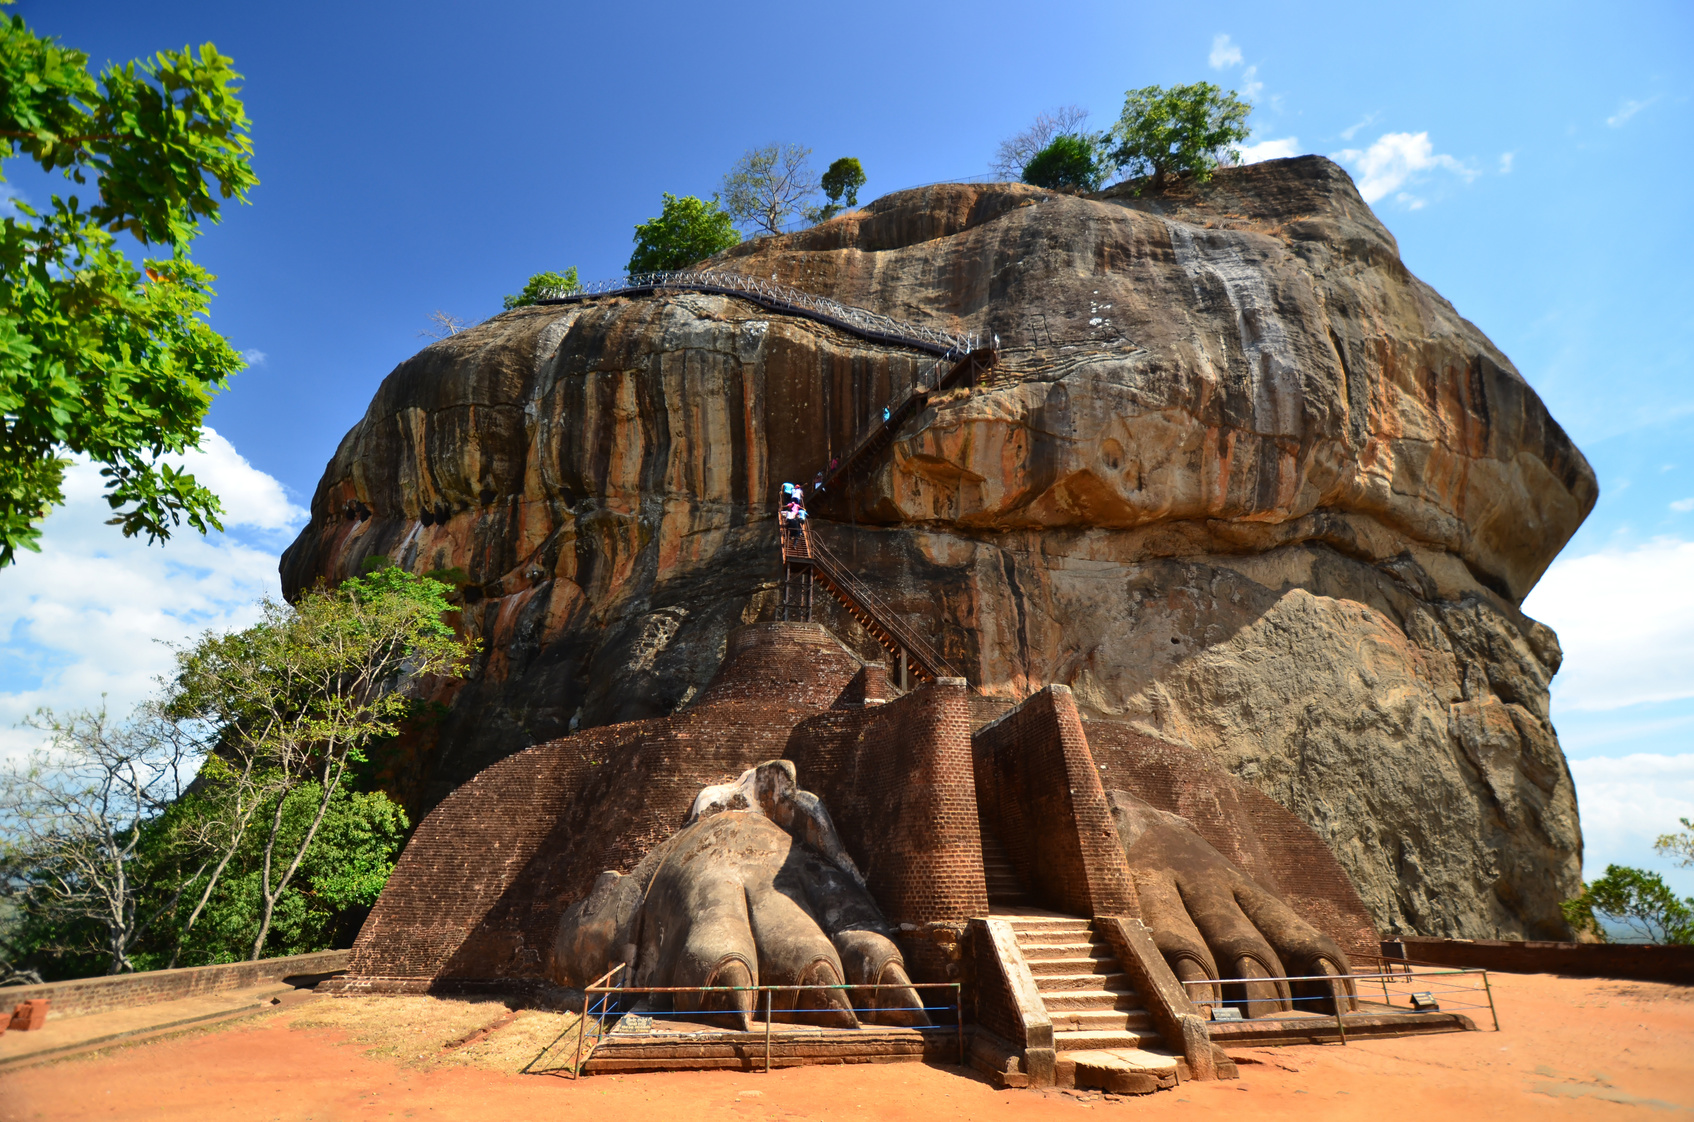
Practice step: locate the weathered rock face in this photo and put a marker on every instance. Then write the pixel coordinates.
(1240, 480)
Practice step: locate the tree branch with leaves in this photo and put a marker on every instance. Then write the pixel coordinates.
(99, 358)
(306, 690)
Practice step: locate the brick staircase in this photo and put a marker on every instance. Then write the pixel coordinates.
(1004, 885)
(1092, 1003)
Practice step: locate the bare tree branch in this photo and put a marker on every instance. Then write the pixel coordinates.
(1016, 151)
(769, 186)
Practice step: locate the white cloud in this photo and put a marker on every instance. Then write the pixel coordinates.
(1506, 159)
(1251, 87)
(1270, 150)
(1348, 132)
(1395, 159)
(1682, 506)
(250, 497)
(254, 357)
(1224, 53)
(1626, 621)
(1626, 802)
(84, 616)
(1409, 201)
(1628, 110)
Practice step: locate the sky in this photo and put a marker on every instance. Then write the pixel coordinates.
(426, 156)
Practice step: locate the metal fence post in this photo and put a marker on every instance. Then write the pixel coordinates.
(576, 1064)
(767, 1031)
(959, 1009)
(1491, 1010)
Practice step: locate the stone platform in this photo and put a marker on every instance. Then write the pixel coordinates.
(676, 1045)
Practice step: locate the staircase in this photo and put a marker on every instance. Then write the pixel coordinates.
(1005, 887)
(805, 561)
(1091, 1001)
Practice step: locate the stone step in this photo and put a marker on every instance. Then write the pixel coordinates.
(1073, 964)
(1030, 937)
(1078, 1040)
(1050, 922)
(1103, 1020)
(1091, 999)
(1052, 983)
(1047, 951)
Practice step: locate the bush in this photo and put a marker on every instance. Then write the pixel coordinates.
(841, 185)
(544, 285)
(687, 231)
(1637, 899)
(1184, 130)
(1069, 163)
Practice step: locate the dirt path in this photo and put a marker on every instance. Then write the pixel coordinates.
(1570, 1048)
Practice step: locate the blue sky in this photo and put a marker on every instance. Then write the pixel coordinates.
(424, 156)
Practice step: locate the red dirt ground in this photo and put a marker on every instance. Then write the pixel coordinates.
(1569, 1048)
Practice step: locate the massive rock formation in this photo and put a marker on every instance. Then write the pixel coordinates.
(1240, 480)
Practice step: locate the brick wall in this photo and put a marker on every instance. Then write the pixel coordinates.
(478, 891)
(1640, 962)
(1040, 792)
(1241, 822)
(897, 780)
(81, 996)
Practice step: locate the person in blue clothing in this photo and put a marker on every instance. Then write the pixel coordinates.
(885, 414)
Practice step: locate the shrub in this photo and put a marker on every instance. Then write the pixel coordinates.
(688, 230)
(1069, 163)
(543, 285)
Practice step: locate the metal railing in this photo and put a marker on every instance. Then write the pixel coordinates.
(601, 1000)
(778, 297)
(1421, 991)
(840, 577)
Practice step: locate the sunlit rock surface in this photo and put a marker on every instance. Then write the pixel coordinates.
(1241, 481)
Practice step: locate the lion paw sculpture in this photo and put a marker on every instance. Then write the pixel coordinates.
(1207, 915)
(755, 889)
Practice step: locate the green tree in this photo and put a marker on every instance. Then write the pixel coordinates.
(1070, 162)
(687, 231)
(109, 857)
(341, 875)
(309, 687)
(543, 286)
(1637, 899)
(1185, 130)
(769, 186)
(1679, 845)
(841, 183)
(97, 357)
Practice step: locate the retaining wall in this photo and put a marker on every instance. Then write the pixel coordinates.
(1642, 962)
(80, 996)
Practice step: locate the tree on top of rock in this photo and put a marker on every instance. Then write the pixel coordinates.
(1016, 152)
(544, 286)
(686, 231)
(769, 186)
(841, 185)
(1184, 130)
(1070, 162)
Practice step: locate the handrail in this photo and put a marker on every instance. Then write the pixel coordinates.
(843, 583)
(778, 297)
